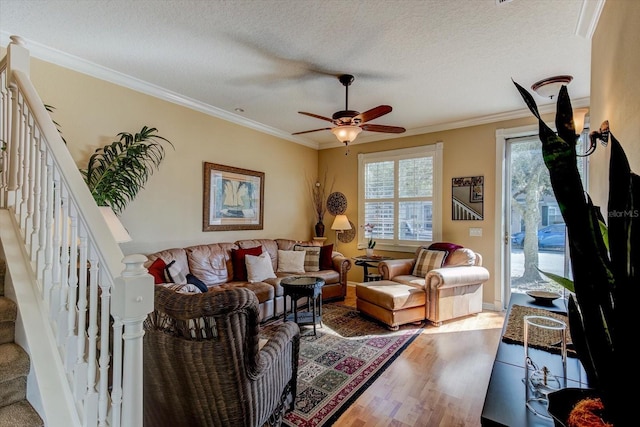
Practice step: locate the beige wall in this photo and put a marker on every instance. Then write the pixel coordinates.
(615, 92)
(467, 151)
(168, 211)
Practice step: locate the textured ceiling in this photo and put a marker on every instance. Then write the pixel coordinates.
(439, 64)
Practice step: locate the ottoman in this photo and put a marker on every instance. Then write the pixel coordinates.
(392, 303)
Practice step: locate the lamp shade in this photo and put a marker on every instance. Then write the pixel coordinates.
(341, 223)
(118, 231)
(578, 119)
(346, 134)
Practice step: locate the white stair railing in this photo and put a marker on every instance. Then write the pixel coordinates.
(95, 298)
(462, 211)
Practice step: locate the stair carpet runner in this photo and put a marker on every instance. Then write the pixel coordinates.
(15, 410)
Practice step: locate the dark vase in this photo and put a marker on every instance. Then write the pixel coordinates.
(561, 403)
(319, 229)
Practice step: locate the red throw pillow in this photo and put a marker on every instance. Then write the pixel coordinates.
(156, 269)
(444, 246)
(326, 262)
(238, 260)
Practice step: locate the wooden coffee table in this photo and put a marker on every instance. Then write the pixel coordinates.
(297, 287)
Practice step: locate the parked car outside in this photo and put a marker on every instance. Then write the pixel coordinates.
(551, 237)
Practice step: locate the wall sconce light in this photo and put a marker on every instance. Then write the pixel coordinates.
(340, 224)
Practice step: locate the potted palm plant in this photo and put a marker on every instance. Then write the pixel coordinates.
(602, 303)
(116, 172)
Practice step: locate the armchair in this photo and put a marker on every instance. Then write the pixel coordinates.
(453, 290)
(203, 365)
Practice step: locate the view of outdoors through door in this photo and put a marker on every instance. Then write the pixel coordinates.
(537, 233)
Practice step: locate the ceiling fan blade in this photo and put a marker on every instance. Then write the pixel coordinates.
(382, 128)
(309, 131)
(316, 116)
(373, 113)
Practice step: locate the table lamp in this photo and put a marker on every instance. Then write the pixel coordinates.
(340, 224)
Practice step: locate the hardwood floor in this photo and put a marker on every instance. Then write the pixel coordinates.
(439, 380)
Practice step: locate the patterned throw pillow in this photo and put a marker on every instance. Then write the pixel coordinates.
(291, 261)
(312, 257)
(173, 274)
(428, 260)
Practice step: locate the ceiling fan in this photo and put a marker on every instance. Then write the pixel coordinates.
(349, 123)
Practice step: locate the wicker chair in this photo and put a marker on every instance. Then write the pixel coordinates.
(203, 367)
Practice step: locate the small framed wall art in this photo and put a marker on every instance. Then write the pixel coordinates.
(233, 198)
(467, 194)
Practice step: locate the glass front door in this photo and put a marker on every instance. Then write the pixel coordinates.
(537, 234)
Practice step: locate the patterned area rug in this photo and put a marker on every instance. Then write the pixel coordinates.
(348, 353)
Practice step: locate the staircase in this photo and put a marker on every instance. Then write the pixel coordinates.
(15, 410)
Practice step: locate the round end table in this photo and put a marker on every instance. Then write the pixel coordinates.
(296, 287)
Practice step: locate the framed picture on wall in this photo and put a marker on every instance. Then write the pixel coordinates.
(467, 194)
(233, 198)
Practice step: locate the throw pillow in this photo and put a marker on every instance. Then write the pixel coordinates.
(193, 280)
(238, 261)
(185, 288)
(444, 246)
(259, 268)
(312, 257)
(173, 274)
(291, 261)
(326, 258)
(428, 260)
(156, 269)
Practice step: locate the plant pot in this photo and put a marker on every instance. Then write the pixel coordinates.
(320, 229)
(369, 252)
(561, 403)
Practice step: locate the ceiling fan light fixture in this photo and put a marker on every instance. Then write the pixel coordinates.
(550, 87)
(346, 134)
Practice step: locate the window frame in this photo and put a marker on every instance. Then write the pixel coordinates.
(431, 150)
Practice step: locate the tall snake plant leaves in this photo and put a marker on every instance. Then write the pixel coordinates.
(606, 290)
(118, 171)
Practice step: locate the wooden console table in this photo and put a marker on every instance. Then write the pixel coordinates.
(504, 403)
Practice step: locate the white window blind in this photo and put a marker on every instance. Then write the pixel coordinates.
(398, 191)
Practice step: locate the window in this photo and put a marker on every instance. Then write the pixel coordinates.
(400, 194)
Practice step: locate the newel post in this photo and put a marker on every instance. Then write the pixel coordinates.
(131, 303)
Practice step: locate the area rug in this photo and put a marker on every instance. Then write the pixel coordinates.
(514, 331)
(336, 365)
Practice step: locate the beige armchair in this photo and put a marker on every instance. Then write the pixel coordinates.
(203, 366)
(453, 290)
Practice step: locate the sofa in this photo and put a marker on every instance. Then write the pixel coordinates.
(442, 281)
(215, 266)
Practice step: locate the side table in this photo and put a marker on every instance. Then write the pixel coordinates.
(297, 287)
(367, 262)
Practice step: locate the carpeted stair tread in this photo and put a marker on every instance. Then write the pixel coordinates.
(3, 270)
(20, 414)
(8, 312)
(8, 309)
(14, 362)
